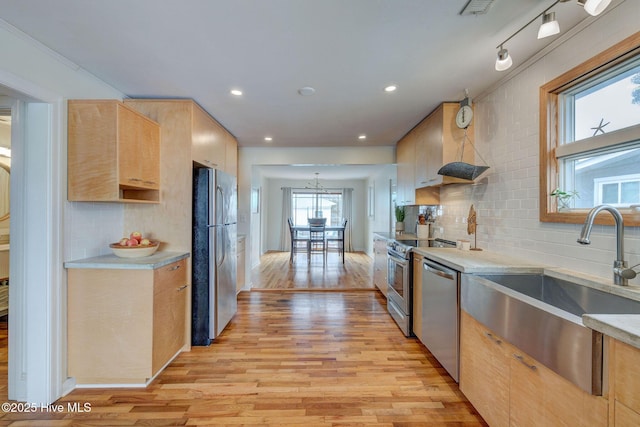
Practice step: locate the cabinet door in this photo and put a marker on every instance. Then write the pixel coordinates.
(417, 297)
(231, 160)
(484, 370)
(625, 416)
(169, 305)
(434, 141)
(138, 150)
(209, 140)
(539, 396)
(380, 265)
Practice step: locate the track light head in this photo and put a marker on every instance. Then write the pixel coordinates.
(504, 61)
(549, 25)
(594, 7)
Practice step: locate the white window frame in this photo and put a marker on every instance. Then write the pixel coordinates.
(598, 183)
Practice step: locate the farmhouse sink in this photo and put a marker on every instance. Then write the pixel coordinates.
(541, 315)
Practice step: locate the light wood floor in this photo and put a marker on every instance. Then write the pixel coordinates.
(276, 272)
(287, 358)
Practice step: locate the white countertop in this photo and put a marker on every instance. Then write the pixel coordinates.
(623, 327)
(157, 260)
(478, 261)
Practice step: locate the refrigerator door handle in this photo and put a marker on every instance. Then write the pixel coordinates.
(220, 203)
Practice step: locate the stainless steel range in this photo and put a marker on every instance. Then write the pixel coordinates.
(399, 279)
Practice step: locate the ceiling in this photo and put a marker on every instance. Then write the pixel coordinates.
(347, 50)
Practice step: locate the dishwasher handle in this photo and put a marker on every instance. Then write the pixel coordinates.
(440, 271)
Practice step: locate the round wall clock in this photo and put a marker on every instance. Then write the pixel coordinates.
(464, 116)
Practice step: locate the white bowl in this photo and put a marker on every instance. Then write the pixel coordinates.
(134, 251)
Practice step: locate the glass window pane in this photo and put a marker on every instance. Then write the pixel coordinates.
(610, 194)
(630, 192)
(609, 105)
(591, 174)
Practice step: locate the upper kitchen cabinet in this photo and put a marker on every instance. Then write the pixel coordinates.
(113, 153)
(441, 143)
(185, 121)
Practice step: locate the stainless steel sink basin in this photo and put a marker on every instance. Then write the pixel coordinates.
(568, 296)
(541, 315)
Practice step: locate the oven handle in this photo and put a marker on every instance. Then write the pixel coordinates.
(432, 269)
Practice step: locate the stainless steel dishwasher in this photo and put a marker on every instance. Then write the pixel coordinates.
(441, 314)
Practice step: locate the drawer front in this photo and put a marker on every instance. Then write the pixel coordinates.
(170, 276)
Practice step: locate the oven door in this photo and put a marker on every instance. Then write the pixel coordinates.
(398, 281)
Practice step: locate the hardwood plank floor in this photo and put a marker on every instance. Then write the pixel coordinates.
(287, 358)
(275, 272)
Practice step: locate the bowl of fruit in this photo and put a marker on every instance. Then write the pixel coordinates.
(134, 246)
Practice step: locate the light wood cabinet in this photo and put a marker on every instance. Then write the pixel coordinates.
(124, 325)
(442, 141)
(417, 297)
(241, 254)
(485, 370)
(380, 264)
(539, 396)
(508, 387)
(113, 153)
(624, 387)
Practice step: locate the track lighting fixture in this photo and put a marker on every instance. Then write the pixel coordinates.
(548, 28)
(504, 61)
(549, 25)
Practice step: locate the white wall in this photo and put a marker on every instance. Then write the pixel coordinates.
(382, 183)
(506, 123)
(37, 350)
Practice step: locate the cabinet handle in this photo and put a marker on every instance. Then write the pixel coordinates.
(521, 359)
(182, 288)
(135, 179)
(175, 267)
(150, 182)
(493, 338)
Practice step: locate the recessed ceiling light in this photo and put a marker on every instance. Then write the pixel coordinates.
(306, 91)
(363, 136)
(391, 88)
(236, 92)
(268, 139)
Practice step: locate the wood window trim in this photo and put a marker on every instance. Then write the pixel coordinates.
(549, 128)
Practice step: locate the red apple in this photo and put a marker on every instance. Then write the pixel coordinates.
(136, 235)
(145, 242)
(123, 241)
(132, 242)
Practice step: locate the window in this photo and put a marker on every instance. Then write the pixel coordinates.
(590, 135)
(311, 204)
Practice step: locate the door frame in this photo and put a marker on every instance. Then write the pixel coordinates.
(37, 321)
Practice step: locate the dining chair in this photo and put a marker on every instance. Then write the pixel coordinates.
(299, 241)
(335, 240)
(317, 241)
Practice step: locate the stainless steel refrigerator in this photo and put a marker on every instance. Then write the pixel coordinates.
(214, 250)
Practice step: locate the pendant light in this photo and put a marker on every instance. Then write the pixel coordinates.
(504, 61)
(549, 25)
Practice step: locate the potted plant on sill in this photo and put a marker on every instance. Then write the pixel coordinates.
(399, 219)
(564, 198)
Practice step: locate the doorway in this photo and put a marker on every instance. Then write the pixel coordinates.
(36, 342)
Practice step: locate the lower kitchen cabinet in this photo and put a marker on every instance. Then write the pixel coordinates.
(241, 260)
(124, 325)
(380, 264)
(484, 370)
(507, 387)
(624, 384)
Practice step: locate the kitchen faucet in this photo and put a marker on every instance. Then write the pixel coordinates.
(621, 274)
